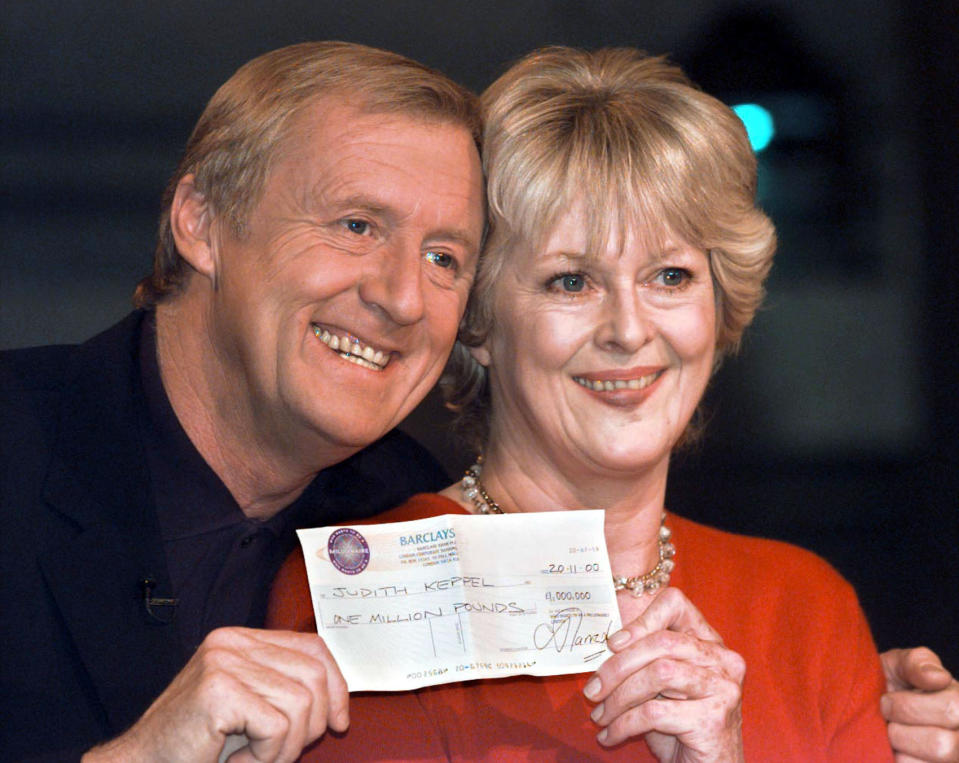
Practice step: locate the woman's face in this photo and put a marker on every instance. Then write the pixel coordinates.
(599, 360)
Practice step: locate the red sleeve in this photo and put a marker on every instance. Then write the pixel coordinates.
(813, 677)
(852, 701)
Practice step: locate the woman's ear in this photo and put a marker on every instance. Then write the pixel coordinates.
(191, 222)
(480, 354)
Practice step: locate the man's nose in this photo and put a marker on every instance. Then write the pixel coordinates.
(394, 283)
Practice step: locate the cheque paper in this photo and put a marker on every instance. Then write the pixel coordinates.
(452, 598)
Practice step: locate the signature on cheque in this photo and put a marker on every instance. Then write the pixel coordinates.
(563, 631)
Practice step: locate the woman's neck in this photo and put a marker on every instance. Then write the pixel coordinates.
(633, 502)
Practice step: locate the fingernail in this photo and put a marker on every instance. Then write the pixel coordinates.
(619, 639)
(601, 736)
(597, 713)
(592, 687)
(932, 668)
(885, 705)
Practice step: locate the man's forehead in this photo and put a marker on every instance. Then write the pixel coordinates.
(345, 118)
(341, 141)
(337, 154)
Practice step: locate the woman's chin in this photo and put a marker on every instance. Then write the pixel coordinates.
(627, 461)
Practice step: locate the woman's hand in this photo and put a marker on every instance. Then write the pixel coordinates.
(921, 705)
(672, 679)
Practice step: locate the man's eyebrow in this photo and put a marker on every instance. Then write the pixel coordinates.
(361, 202)
(457, 235)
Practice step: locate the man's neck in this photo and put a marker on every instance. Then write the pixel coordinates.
(264, 473)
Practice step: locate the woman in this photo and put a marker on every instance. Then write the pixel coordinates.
(625, 258)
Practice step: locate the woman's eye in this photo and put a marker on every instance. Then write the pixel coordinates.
(359, 227)
(673, 277)
(569, 282)
(441, 259)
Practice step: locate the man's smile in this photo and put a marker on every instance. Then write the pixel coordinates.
(350, 348)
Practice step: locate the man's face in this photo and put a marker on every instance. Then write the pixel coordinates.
(335, 312)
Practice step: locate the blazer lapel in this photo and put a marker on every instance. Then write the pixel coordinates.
(107, 539)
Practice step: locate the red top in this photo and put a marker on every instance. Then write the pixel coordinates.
(812, 688)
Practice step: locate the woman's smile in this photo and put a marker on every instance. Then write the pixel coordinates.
(621, 388)
(609, 381)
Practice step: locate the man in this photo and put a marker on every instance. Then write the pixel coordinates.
(316, 249)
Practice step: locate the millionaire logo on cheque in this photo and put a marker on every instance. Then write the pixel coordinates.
(348, 550)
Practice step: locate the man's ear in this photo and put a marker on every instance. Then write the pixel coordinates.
(480, 354)
(191, 222)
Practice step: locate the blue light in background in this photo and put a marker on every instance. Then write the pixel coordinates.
(759, 124)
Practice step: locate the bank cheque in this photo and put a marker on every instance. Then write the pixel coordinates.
(452, 598)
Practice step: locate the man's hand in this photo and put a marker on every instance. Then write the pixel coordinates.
(281, 689)
(921, 706)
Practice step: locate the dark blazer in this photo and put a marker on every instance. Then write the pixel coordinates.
(80, 658)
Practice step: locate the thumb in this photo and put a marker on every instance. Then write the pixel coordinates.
(918, 668)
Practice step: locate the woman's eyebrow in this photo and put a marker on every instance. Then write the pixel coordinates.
(567, 256)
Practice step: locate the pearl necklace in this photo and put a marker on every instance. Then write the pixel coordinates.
(637, 585)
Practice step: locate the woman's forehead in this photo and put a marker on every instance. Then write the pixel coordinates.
(582, 233)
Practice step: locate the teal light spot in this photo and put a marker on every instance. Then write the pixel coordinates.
(759, 124)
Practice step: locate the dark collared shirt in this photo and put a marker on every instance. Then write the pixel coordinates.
(221, 562)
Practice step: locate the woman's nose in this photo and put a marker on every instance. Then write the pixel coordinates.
(626, 324)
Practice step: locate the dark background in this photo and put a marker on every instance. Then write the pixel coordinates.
(835, 428)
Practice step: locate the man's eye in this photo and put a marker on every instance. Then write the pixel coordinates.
(359, 227)
(569, 282)
(441, 259)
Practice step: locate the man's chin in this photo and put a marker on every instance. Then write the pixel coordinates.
(353, 432)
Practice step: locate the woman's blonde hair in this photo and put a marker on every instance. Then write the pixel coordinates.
(236, 137)
(632, 140)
